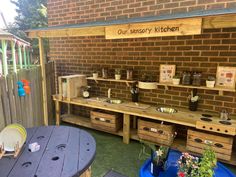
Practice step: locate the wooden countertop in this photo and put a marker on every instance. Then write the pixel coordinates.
(182, 117)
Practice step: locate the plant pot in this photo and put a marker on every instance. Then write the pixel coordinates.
(156, 168)
(117, 76)
(147, 85)
(210, 84)
(193, 105)
(175, 81)
(95, 75)
(134, 97)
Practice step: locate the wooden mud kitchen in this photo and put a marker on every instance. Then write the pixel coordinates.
(148, 75)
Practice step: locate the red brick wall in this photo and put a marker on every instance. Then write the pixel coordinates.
(195, 53)
(77, 11)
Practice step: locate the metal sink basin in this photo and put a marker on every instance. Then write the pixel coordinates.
(114, 101)
(167, 110)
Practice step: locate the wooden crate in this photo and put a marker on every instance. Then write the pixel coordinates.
(70, 86)
(198, 140)
(156, 132)
(107, 121)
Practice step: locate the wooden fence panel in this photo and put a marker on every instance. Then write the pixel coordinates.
(27, 110)
(5, 101)
(2, 119)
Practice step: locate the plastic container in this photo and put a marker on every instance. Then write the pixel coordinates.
(172, 167)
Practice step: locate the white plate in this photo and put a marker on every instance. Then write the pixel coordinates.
(10, 137)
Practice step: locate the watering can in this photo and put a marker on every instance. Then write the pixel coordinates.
(26, 86)
(21, 91)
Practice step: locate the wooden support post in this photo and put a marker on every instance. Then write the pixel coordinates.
(4, 57)
(126, 129)
(134, 122)
(58, 112)
(87, 173)
(20, 56)
(13, 52)
(69, 108)
(25, 59)
(28, 56)
(42, 64)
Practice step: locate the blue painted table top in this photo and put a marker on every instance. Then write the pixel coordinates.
(64, 151)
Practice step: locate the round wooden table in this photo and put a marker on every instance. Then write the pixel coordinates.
(64, 151)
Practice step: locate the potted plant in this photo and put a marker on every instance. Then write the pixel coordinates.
(95, 74)
(191, 166)
(210, 82)
(147, 82)
(158, 156)
(117, 74)
(176, 80)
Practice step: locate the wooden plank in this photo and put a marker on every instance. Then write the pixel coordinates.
(40, 97)
(34, 98)
(21, 75)
(42, 135)
(87, 173)
(223, 21)
(200, 151)
(177, 27)
(17, 99)
(197, 87)
(211, 137)
(11, 96)
(126, 129)
(87, 150)
(44, 88)
(53, 158)
(5, 98)
(2, 116)
(150, 112)
(71, 153)
(215, 127)
(58, 112)
(69, 32)
(30, 99)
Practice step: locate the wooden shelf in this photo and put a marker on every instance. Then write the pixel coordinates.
(198, 87)
(128, 82)
(84, 122)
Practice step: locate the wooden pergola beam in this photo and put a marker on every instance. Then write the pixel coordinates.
(208, 22)
(43, 72)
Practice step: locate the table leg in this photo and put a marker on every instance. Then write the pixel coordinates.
(58, 112)
(87, 173)
(126, 129)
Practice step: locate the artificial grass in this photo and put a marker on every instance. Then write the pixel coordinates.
(112, 153)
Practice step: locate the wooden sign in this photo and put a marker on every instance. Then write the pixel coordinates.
(167, 73)
(226, 77)
(176, 27)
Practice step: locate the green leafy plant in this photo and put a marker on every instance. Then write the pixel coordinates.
(211, 78)
(147, 78)
(176, 77)
(117, 71)
(207, 163)
(190, 166)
